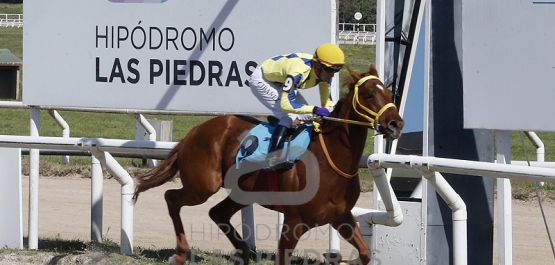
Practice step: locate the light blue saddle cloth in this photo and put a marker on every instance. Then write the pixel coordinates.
(254, 146)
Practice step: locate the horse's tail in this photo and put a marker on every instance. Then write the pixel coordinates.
(163, 173)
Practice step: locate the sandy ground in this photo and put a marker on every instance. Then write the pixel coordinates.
(64, 211)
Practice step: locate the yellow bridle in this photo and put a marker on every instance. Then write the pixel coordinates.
(371, 121)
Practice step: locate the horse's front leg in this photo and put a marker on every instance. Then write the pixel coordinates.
(349, 230)
(291, 232)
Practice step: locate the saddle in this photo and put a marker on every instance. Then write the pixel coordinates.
(254, 147)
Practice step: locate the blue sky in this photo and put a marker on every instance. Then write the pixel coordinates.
(414, 108)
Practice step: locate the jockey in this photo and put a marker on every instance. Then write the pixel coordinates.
(275, 83)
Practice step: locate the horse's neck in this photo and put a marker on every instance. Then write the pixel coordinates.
(344, 138)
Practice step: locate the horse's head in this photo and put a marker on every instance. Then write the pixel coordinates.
(373, 103)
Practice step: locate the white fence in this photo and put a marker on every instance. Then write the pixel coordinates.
(357, 27)
(11, 20)
(353, 33)
(99, 156)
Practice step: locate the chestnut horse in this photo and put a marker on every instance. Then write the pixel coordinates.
(204, 157)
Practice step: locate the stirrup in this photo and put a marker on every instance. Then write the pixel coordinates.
(275, 163)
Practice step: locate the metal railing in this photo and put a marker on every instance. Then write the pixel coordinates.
(354, 33)
(11, 20)
(357, 27)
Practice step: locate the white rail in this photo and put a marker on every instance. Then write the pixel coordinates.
(100, 149)
(429, 166)
(353, 37)
(353, 33)
(11, 20)
(357, 27)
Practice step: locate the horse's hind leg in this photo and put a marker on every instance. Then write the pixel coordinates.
(175, 199)
(349, 230)
(221, 214)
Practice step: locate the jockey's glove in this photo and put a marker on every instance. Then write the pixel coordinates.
(321, 111)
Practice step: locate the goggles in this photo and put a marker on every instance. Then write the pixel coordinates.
(331, 69)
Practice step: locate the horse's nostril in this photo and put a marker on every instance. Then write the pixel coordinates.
(392, 125)
(396, 125)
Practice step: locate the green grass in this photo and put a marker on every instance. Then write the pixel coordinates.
(93, 125)
(11, 8)
(74, 251)
(12, 38)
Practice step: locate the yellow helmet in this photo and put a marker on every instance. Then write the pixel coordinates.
(330, 55)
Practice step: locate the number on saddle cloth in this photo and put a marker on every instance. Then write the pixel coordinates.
(254, 147)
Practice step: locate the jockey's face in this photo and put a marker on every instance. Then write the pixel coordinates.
(324, 73)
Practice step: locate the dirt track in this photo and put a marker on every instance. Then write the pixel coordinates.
(64, 211)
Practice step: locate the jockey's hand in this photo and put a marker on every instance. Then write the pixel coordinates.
(321, 111)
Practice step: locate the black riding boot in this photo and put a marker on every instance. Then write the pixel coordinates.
(274, 160)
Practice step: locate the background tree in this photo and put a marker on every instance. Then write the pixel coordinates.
(348, 8)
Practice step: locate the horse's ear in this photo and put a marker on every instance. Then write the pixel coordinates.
(373, 70)
(353, 80)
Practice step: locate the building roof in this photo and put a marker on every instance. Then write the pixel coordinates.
(8, 59)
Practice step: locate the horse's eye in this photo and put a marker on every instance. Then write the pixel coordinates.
(369, 95)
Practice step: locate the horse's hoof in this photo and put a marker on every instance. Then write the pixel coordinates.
(176, 260)
(333, 258)
(171, 261)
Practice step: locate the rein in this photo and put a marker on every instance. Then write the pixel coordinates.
(331, 162)
(371, 122)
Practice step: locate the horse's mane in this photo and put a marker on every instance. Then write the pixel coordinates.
(350, 83)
